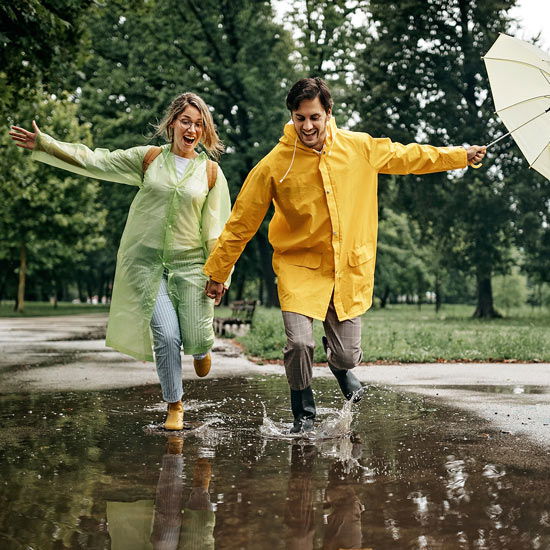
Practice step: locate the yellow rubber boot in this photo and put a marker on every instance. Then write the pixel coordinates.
(202, 473)
(174, 419)
(202, 366)
(174, 445)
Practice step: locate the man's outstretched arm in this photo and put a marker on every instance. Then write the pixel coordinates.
(389, 157)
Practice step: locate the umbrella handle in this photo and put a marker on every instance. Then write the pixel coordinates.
(476, 166)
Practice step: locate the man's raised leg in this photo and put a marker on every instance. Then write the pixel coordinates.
(343, 348)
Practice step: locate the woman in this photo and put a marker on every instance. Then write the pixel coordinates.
(173, 223)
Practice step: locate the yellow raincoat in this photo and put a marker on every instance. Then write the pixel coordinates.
(325, 224)
(172, 225)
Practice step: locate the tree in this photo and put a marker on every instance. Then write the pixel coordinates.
(48, 219)
(421, 77)
(39, 43)
(510, 290)
(328, 39)
(532, 223)
(401, 267)
(231, 53)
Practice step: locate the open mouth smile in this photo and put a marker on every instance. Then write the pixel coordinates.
(188, 140)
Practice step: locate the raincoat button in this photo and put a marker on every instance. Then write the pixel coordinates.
(335, 233)
(328, 191)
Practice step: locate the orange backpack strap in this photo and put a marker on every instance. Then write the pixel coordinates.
(152, 153)
(211, 173)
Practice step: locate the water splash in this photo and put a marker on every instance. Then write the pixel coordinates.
(493, 471)
(336, 425)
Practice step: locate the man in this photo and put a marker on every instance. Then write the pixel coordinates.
(323, 183)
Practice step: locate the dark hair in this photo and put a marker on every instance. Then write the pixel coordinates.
(309, 88)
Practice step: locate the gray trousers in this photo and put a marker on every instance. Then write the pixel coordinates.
(344, 345)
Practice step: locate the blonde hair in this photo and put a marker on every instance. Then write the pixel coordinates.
(209, 138)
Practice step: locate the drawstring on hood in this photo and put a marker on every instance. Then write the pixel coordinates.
(286, 138)
(292, 161)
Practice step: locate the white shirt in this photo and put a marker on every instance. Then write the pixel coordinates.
(181, 163)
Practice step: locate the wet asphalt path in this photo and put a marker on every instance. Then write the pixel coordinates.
(68, 353)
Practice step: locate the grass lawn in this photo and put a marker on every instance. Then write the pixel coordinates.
(41, 309)
(403, 333)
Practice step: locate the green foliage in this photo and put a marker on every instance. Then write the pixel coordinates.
(39, 40)
(52, 215)
(328, 38)
(402, 266)
(510, 291)
(405, 334)
(141, 55)
(533, 223)
(422, 78)
(408, 69)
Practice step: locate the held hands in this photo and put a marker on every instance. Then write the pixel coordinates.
(475, 154)
(24, 138)
(215, 291)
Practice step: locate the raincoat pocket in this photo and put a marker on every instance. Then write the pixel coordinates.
(311, 260)
(361, 255)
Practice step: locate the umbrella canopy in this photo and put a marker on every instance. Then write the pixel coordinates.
(519, 74)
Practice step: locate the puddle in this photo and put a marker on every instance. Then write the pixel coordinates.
(93, 470)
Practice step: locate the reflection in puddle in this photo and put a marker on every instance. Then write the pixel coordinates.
(172, 519)
(92, 470)
(505, 389)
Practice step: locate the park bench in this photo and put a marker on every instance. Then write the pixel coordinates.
(242, 312)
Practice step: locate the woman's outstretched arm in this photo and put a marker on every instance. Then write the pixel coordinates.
(121, 166)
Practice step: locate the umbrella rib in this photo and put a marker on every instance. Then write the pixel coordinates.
(515, 129)
(531, 164)
(522, 101)
(515, 61)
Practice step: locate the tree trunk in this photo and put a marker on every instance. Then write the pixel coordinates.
(261, 291)
(485, 308)
(239, 287)
(56, 294)
(437, 293)
(79, 290)
(384, 297)
(20, 306)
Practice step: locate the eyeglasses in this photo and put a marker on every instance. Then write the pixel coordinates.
(186, 124)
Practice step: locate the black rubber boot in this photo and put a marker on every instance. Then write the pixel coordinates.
(303, 409)
(348, 382)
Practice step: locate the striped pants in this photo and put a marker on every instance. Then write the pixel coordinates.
(167, 337)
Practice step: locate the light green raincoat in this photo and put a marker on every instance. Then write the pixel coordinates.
(172, 225)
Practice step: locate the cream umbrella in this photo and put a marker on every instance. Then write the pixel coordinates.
(519, 74)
